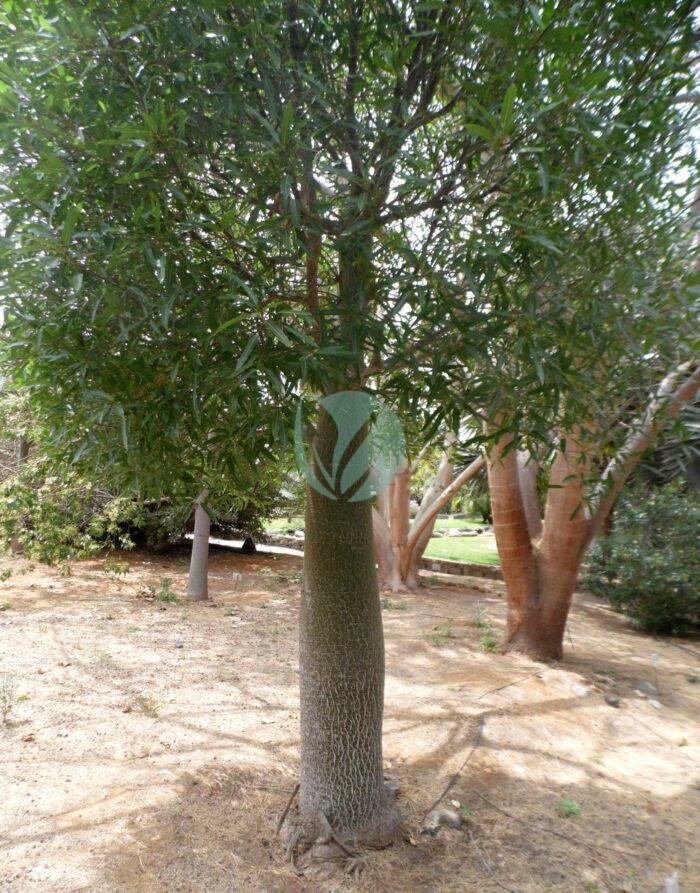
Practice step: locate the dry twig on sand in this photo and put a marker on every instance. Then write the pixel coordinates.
(491, 691)
(488, 868)
(455, 778)
(287, 808)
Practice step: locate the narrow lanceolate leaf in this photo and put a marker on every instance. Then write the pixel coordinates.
(479, 130)
(71, 218)
(508, 106)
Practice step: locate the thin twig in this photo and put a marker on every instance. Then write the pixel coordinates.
(267, 787)
(518, 681)
(561, 834)
(287, 808)
(685, 648)
(453, 780)
(488, 868)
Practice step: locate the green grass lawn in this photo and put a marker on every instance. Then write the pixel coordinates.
(276, 524)
(479, 549)
(458, 523)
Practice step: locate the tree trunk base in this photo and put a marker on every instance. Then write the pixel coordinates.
(313, 842)
(396, 584)
(198, 598)
(393, 586)
(542, 645)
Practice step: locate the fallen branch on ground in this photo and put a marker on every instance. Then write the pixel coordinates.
(569, 837)
(488, 868)
(287, 808)
(518, 681)
(453, 780)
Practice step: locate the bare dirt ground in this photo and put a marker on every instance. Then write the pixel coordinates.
(151, 746)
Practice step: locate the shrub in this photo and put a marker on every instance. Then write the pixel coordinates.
(56, 517)
(649, 566)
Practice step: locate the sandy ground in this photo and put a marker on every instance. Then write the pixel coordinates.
(151, 746)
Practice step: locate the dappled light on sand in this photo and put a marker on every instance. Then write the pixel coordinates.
(155, 743)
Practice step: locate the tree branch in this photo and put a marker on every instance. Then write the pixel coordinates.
(668, 402)
(442, 500)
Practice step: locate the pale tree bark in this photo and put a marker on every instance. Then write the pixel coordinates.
(16, 546)
(400, 544)
(541, 561)
(528, 469)
(678, 388)
(197, 581)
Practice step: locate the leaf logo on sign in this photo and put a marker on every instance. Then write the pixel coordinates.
(355, 472)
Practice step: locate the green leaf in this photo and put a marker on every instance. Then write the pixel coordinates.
(508, 106)
(480, 131)
(278, 333)
(71, 219)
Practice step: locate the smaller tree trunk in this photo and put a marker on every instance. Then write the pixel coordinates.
(197, 582)
(400, 545)
(16, 547)
(541, 562)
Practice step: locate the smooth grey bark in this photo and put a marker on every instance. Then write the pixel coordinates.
(341, 661)
(197, 581)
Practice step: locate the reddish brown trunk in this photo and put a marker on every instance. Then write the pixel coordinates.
(540, 631)
(540, 571)
(515, 550)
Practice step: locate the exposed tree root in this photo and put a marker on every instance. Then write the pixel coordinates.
(310, 845)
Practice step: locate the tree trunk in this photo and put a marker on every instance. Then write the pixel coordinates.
(387, 567)
(515, 551)
(540, 572)
(341, 664)
(197, 582)
(399, 545)
(16, 547)
(541, 562)
(540, 633)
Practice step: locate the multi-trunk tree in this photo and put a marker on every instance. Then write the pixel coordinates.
(264, 191)
(541, 556)
(401, 540)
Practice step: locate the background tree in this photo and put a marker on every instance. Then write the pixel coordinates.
(400, 541)
(541, 558)
(133, 343)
